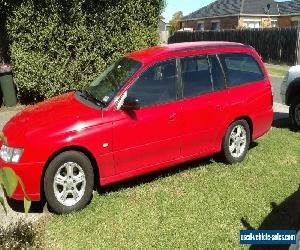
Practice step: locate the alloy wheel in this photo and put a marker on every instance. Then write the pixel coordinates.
(69, 184)
(237, 141)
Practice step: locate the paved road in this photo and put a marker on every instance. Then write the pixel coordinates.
(276, 84)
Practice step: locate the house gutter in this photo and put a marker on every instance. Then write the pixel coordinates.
(242, 15)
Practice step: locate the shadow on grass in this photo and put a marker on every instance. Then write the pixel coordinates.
(281, 120)
(18, 206)
(169, 171)
(148, 178)
(285, 216)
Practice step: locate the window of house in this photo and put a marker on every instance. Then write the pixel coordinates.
(195, 75)
(253, 24)
(200, 26)
(157, 85)
(274, 24)
(241, 68)
(216, 25)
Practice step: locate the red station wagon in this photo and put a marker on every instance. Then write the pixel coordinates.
(152, 109)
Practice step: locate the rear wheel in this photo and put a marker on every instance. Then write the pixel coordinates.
(69, 182)
(236, 142)
(295, 113)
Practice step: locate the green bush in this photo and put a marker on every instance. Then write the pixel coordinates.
(61, 45)
(21, 235)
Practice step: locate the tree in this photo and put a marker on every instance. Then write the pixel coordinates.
(175, 21)
(57, 46)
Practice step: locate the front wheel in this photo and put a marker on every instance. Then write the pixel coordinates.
(69, 182)
(236, 142)
(295, 113)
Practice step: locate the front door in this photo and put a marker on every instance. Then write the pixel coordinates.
(150, 135)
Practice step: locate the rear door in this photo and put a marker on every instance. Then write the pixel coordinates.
(204, 104)
(249, 89)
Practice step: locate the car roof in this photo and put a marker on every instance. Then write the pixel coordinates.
(165, 49)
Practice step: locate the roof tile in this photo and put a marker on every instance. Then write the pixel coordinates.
(235, 7)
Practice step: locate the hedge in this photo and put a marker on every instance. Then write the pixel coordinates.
(61, 45)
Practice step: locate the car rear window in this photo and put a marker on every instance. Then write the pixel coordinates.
(241, 69)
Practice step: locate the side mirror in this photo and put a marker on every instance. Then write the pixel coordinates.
(131, 103)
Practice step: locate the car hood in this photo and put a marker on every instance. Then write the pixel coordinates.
(57, 115)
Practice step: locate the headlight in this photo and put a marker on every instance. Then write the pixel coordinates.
(11, 155)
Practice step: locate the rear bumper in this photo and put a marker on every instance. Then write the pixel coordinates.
(30, 174)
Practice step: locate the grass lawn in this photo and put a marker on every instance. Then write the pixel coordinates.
(196, 205)
(277, 70)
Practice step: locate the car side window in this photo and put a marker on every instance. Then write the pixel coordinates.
(217, 73)
(241, 68)
(157, 85)
(196, 78)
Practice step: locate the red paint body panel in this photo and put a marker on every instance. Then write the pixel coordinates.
(140, 141)
(30, 174)
(140, 135)
(203, 119)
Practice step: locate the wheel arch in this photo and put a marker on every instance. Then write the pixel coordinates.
(80, 149)
(248, 120)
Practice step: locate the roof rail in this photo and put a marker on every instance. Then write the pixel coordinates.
(211, 47)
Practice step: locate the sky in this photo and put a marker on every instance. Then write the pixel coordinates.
(186, 6)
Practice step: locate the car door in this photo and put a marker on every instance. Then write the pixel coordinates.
(204, 104)
(150, 135)
(249, 89)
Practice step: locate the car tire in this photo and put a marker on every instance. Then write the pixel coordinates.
(295, 113)
(69, 182)
(236, 142)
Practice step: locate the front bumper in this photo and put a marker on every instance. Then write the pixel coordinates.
(30, 174)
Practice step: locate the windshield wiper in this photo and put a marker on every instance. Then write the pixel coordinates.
(88, 95)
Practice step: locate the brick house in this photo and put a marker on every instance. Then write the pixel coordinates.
(233, 14)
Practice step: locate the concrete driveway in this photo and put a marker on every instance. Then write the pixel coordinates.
(5, 116)
(276, 85)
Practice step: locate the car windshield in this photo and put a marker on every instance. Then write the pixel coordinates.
(107, 85)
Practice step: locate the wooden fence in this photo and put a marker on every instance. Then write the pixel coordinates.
(279, 45)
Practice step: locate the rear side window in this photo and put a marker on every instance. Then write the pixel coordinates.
(196, 78)
(241, 69)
